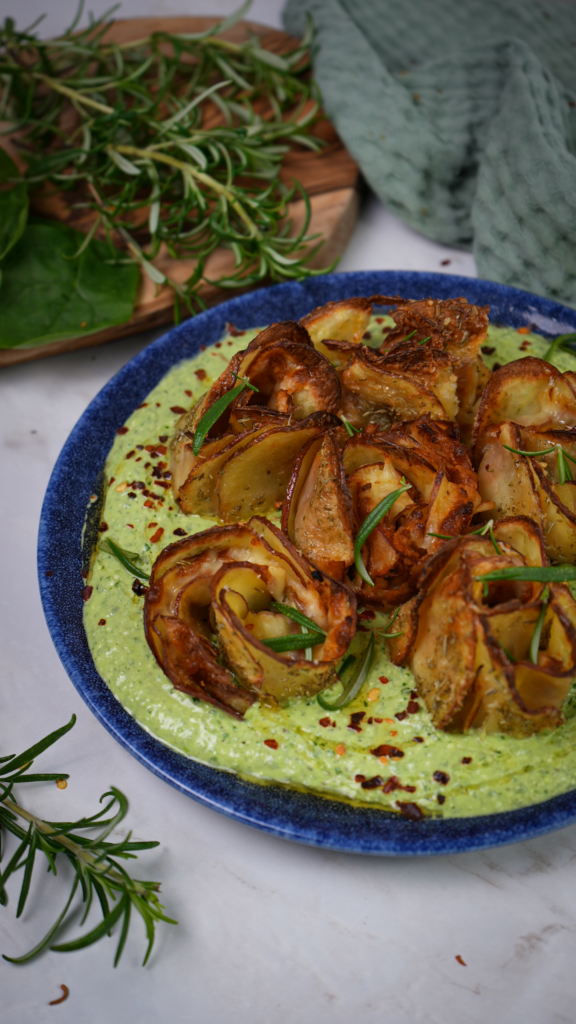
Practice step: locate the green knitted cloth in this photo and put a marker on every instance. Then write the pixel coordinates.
(462, 116)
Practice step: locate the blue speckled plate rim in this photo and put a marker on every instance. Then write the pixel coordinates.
(278, 810)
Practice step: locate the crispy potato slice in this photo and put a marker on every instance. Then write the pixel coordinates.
(197, 495)
(461, 325)
(291, 378)
(529, 392)
(346, 320)
(506, 479)
(317, 512)
(211, 592)
(470, 651)
(255, 476)
(406, 386)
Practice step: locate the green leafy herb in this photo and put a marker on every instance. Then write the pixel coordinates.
(47, 295)
(425, 339)
(388, 636)
(355, 683)
(13, 205)
(441, 536)
(562, 341)
(535, 642)
(94, 861)
(214, 413)
(167, 146)
(370, 524)
(294, 642)
(534, 573)
(564, 471)
(126, 558)
(350, 430)
(296, 616)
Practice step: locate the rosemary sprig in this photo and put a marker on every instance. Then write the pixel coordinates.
(355, 683)
(533, 573)
(127, 559)
(562, 341)
(564, 471)
(535, 642)
(370, 524)
(294, 642)
(145, 156)
(215, 411)
(389, 636)
(94, 861)
(296, 616)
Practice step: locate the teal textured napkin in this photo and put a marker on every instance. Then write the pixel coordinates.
(462, 116)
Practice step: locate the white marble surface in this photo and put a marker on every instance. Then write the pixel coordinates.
(269, 930)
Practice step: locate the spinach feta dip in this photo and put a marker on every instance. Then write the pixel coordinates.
(380, 749)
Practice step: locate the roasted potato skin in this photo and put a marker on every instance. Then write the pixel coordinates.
(469, 651)
(205, 589)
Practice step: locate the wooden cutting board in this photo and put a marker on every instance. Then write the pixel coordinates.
(329, 177)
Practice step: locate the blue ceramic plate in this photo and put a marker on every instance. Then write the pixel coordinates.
(275, 809)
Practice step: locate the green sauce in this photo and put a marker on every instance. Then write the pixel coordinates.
(503, 773)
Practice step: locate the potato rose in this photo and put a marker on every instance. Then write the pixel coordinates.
(529, 406)
(334, 489)
(500, 656)
(250, 449)
(216, 597)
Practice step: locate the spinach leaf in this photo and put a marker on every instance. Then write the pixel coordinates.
(13, 205)
(47, 295)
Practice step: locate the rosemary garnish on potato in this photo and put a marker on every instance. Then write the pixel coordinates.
(370, 524)
(94, 861)
(355, 683)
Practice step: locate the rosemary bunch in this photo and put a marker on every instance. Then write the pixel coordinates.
(169, 144)
(95, 863)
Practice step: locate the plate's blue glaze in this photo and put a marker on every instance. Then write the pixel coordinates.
(283, 812)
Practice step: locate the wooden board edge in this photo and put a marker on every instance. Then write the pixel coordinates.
(149, 319)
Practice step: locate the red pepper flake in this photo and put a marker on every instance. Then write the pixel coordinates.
(179, 532)
(496, 366)
(50, 572)
(111, 481)
(130, 526)
(201, 374)
(179, 409)
(385, 750)
(379, 319)
(393, 732)
(102, 622)
(460, 960)
(488, 350)
(131, 454)
(374, 783)
(355, 720)
(233, 331)
(367, 336)
(370, 721)
(523, 330)
(156, 537)
(442, 777)
(359, 778)
(65, 994)
(414, 695)
(367, 614)
(401, 715)
(218, 344)
(163, 438)
(139, 588)
(202, 348)
(103, 527)
(413, 707)
(362, 629)
(152, 524)
(324, 722)
(162, 449)
(417, 739)
(441, 798)
(379, 720)
(278, 504)
(143, 405)
(411, 811)
(466, 760)
(151, 448)
(273, 744)
(122, 430)
(394, 783)
(384, 679)
(445, 263)
(87, 593)
(148, 503)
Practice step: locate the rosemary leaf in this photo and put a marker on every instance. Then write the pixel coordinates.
(355, 683)
(370, 524)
